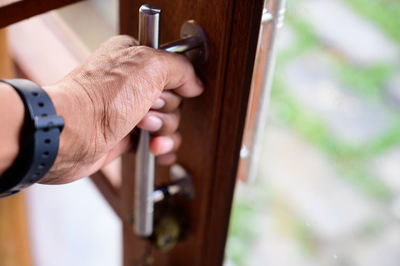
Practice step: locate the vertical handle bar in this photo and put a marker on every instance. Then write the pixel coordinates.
(149, 21)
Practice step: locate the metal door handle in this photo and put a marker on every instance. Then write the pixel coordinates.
(149, 32)
(194, 45)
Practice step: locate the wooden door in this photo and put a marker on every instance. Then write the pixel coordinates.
(212, 125)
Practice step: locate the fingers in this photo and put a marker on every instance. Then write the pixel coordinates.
(158, 104)
(181, 76)
(165, 151)
(167, 102)
(161, 147)
(164, 147)
(120, 41)
(166, 159)
(151, 123)
(164, 119)
(160, 123)
(182, 79)
(178, 73)
(174, 76)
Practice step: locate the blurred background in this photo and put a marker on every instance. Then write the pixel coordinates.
(327, 190)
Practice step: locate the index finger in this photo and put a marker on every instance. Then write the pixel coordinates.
(180, 74)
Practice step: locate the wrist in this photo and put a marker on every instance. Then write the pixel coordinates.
(38, 138)
(77, 128)
(14, 111)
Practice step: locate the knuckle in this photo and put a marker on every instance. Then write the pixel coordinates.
(142, 50)
(177, 140)
(157, 62)
(172, 104)
(153, 63)
(171, 122)
(122, 40)
(176, 118)
(145, 54)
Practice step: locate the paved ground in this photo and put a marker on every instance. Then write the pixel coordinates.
(328, 189)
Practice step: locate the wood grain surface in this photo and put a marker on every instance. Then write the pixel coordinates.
(212, 124)
(14, 11)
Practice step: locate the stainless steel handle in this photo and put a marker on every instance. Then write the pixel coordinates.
(194, 45)
(149, 31)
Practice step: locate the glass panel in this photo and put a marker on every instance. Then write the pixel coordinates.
(327, 191)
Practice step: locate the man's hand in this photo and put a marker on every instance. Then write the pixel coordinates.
(119, 87)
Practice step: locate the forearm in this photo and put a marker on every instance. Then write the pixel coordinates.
(12, 114)
(11, 121)
(102, 101)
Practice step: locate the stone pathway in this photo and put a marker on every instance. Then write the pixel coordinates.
(387, 167)
(379, 250)
(392, 90)
(275, 248)
(312, 82)
(341, 29)
(305, 178)
(313, 216)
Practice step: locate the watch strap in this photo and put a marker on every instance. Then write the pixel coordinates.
(39, 139)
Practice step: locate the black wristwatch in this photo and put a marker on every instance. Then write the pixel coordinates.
(39, 138)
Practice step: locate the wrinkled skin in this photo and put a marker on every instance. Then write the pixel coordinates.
(121, 86)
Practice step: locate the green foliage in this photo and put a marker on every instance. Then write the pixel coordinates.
(371, 228)
(241, 230)
(349, 160)
(304, 237)
(384, 13)
(366, 81)
(305, 39)
(385, 142)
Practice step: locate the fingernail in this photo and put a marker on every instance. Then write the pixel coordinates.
(158, 104)
(168, 145)
(154, 123)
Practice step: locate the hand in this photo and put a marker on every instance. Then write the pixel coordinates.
(119, 87)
